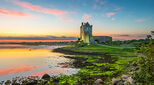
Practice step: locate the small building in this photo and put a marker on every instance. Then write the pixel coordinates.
(101, 39)
(87, 37)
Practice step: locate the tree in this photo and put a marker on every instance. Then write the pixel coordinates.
(152, 32)
(146, 72)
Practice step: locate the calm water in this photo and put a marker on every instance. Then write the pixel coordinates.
(36, 40)
(22, 60)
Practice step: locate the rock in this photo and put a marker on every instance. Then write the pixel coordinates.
(85, 57)
(122, 48)
(137, 68)
(15, 84)
(83, 62)
(130, 80)
(115, 81)
(98, 82)
(46, 77)
(1, 83)
(8, 82)
(120, 82)
(124, 77)
(134, 64)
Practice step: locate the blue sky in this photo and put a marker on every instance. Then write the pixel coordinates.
(63, 17)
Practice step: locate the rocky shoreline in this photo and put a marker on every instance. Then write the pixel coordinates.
(31, 80)
(72, 52)
(79, 62)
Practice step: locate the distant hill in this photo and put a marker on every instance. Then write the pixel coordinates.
(39, 38)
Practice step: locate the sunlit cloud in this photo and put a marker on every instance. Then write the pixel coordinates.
(97, 1)
(117, 8)
(110, 14)
(66, 19)
(95, 6)
(86, 17)
(113, 19)
(103, 2)
(39, 9)
(152, 32)
(84, 4)
(12, 12)
(141, 20)
(55, 12)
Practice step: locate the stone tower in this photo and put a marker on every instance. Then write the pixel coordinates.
(86, 33)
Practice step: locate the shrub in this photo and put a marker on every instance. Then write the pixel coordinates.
(146, 64)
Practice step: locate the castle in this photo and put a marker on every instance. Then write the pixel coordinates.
(86, 33)
(87, 37)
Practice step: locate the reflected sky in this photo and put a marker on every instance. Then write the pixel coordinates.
(28, 61)
(35, 40)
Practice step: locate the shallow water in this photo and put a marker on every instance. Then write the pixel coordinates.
(23, 60)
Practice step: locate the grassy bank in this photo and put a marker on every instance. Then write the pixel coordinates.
(110, 62)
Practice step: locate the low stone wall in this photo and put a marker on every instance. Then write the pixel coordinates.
(102, 38)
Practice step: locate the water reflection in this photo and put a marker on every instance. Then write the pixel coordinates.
(16, 69)
(30, 61)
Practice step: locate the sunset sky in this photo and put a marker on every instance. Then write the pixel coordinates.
(121, 19)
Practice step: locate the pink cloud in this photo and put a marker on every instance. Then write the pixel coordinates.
(117, 9)
(55, 12)
(29, 6)
(141, 20)
(12, 12)
(66, 19)
(102, 2)
(110, 14)
(86, 16)
(95, 6)
(113, 19)
(84, 4)
(96, 0)
(40, 9)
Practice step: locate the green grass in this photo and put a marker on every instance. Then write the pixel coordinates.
(124, 51)
(104, 67)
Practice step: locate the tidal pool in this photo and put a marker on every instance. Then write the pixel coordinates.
(22, 60)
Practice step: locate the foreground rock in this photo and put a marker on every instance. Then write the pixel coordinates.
(124, 80)
(46, 77)
(98, 82)
(8, 82)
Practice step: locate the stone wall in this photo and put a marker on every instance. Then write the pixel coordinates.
(101, 39)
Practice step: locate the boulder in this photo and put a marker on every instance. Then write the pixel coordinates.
(115, 81)
(8, 82)
(2, 82)
(46, 77)
(134, 64)
(15, 84)
(124, 77)
(85, 57)
(98, 82)
(120, 82)
(130, 80)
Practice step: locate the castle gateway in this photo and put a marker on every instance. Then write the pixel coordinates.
(87, 37)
